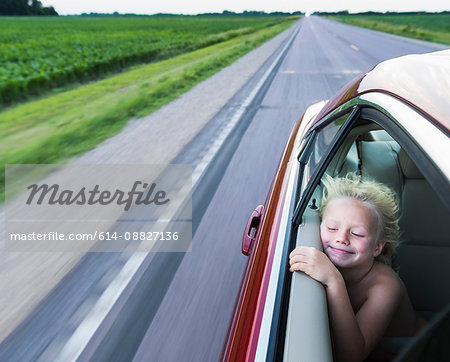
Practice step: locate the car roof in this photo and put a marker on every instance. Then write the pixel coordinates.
(421, 80)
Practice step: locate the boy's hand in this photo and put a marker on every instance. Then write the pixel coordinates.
(314, 263)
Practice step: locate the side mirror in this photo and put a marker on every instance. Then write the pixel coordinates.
(251, 230)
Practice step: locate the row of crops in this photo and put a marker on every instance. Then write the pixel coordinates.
(431, 26)
(38, 54)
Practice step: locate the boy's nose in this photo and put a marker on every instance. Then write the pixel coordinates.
(342, 238)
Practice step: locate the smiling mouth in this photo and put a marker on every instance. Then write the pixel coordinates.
(340, 251)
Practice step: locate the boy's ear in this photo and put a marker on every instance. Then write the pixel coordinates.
(379, 247)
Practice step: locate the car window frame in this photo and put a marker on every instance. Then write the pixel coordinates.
(353, 111)
(311, 137)
(278, 328)
(363, 110)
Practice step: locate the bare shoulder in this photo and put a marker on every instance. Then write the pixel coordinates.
(384, 280)
(387, 295)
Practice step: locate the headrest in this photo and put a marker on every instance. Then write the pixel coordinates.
(408, 167)
(424, 219)
(379, 161)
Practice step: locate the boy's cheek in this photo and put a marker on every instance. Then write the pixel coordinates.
(323, 237)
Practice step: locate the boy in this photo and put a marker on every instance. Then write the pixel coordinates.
(366, 298)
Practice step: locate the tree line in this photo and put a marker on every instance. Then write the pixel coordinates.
(387, 13)
(25, 7)
(245, 13)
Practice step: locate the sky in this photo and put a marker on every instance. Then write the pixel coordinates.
(67, 7)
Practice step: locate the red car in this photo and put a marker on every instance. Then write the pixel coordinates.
(391, 124)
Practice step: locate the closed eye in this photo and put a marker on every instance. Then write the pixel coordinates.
(331, 228)
(358, 235)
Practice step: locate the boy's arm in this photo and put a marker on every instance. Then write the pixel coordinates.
(354, 336)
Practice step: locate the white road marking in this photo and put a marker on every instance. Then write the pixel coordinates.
(84, 332)
(351, 71)
(354, 47)
(80, 338)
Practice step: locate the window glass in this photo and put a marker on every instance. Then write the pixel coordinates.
(320, 144)
(324, 139)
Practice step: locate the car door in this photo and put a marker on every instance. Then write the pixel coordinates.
(307, 334)
(372, 140)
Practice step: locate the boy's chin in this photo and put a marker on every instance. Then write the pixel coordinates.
(341, 260)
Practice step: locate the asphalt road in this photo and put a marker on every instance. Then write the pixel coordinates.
(177, 305)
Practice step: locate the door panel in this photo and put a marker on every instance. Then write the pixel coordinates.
(307, 332)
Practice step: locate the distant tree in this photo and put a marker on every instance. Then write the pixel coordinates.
(35, 6)
(228, 13)
(13, 7)
(253, 13)
(25, 7)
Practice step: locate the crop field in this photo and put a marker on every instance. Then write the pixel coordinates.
(71, 120)
(41, 53)
(430, 27)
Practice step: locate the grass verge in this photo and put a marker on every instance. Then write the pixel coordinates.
(55, 128)
(429, 27)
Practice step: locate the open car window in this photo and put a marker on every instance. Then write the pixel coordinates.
(307, 330)
(368, 149)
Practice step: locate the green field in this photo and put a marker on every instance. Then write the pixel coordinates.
(57, 126)
(430, 27)
(41, 53)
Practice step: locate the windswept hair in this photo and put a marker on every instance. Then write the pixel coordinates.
(377, 197)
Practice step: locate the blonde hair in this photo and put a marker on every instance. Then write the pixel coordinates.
(377, 197)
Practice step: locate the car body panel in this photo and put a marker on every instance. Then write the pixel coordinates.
(244, 331)
(398, 77)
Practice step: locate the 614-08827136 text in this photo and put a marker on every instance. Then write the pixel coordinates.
(97, 235)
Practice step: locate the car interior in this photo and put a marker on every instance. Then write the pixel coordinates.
(421, 260)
